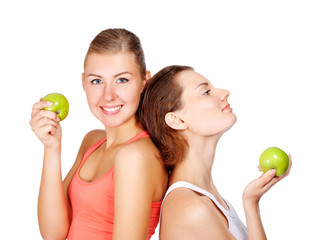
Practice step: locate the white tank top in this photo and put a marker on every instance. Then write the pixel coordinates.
(236, 227)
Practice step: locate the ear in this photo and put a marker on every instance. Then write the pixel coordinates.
(174, 121)
(148, 77)
(82, 77)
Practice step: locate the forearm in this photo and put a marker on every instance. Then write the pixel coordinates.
(254, 222)
(52, 207)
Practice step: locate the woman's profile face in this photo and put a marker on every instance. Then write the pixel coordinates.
(205, 110)
(113, 87)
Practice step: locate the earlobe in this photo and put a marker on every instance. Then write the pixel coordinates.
(175, 122)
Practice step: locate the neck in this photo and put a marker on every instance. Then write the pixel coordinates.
(123, 133)
(196, 166)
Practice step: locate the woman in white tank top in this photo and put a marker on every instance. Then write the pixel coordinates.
(186, 116)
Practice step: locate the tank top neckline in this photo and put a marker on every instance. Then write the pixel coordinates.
(183, 184)
(94, 147)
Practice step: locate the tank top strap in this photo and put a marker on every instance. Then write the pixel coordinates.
(138, 136)
(92, 148)
(236, 227)
(183, 184)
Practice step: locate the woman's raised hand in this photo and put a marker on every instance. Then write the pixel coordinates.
(255, 189)
(45, 125)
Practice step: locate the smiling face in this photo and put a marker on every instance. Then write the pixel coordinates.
(205, 110)
(113, 86)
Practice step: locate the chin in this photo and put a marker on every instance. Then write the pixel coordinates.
(235, 119)
(113, 125)
(109, 123)
(232, 122)
(118, 122)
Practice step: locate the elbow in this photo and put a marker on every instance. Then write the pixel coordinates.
(55, 233)
(54, 236)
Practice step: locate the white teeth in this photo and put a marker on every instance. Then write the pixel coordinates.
(111, 109)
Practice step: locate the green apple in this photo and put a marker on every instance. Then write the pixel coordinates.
(60, 104)
(276, 158)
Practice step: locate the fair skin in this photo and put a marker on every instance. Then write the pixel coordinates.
(204, 117)
(113, 85)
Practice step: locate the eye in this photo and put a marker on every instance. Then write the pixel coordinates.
(122, 80)
(96, 81)
(207, 92)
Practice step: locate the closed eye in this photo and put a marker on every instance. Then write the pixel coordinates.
(207, 92)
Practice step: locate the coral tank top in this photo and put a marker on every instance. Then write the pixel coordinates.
(93, 203)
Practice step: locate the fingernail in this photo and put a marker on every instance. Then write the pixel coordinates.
(49, 104)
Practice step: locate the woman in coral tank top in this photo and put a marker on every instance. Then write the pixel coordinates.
(115, 188)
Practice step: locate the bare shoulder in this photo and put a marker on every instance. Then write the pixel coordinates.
(92, 137)
(137, 163)
(190, 215)
(187, 206)
(142, 152)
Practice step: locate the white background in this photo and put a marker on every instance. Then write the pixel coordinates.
(265, 52)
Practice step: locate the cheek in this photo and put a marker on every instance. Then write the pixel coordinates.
(205, 110)
(132, 94)
(204, 116)
(92, 95)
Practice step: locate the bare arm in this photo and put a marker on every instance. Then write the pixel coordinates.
(134, 188)
(251, 197)
(52, 208)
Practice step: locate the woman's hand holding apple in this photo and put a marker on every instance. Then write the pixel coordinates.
(251, 196)
(255, 189)
(45, 125)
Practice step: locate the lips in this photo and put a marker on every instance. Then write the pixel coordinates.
(227, 108)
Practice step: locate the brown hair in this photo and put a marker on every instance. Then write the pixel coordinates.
(116, 40)
(162, 95)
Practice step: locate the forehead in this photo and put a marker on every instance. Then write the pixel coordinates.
(110, 62)
(190, 80)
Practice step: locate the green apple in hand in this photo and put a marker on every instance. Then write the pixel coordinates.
(276, 158)
(60, 104)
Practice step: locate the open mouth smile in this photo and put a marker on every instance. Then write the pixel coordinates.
(111, 110)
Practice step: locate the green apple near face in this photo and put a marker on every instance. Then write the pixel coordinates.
(276, 158)
(60, 104)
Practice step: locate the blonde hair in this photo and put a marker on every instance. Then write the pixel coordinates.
(116, 40)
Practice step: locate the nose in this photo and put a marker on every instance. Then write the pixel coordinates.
(224, 94)
(109, 93)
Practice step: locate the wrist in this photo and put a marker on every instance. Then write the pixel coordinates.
(52, 148)
(52, 157)
(251, 205)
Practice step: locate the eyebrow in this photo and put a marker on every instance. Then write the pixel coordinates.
(117, 75)
(202, 84)
(93, 75)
